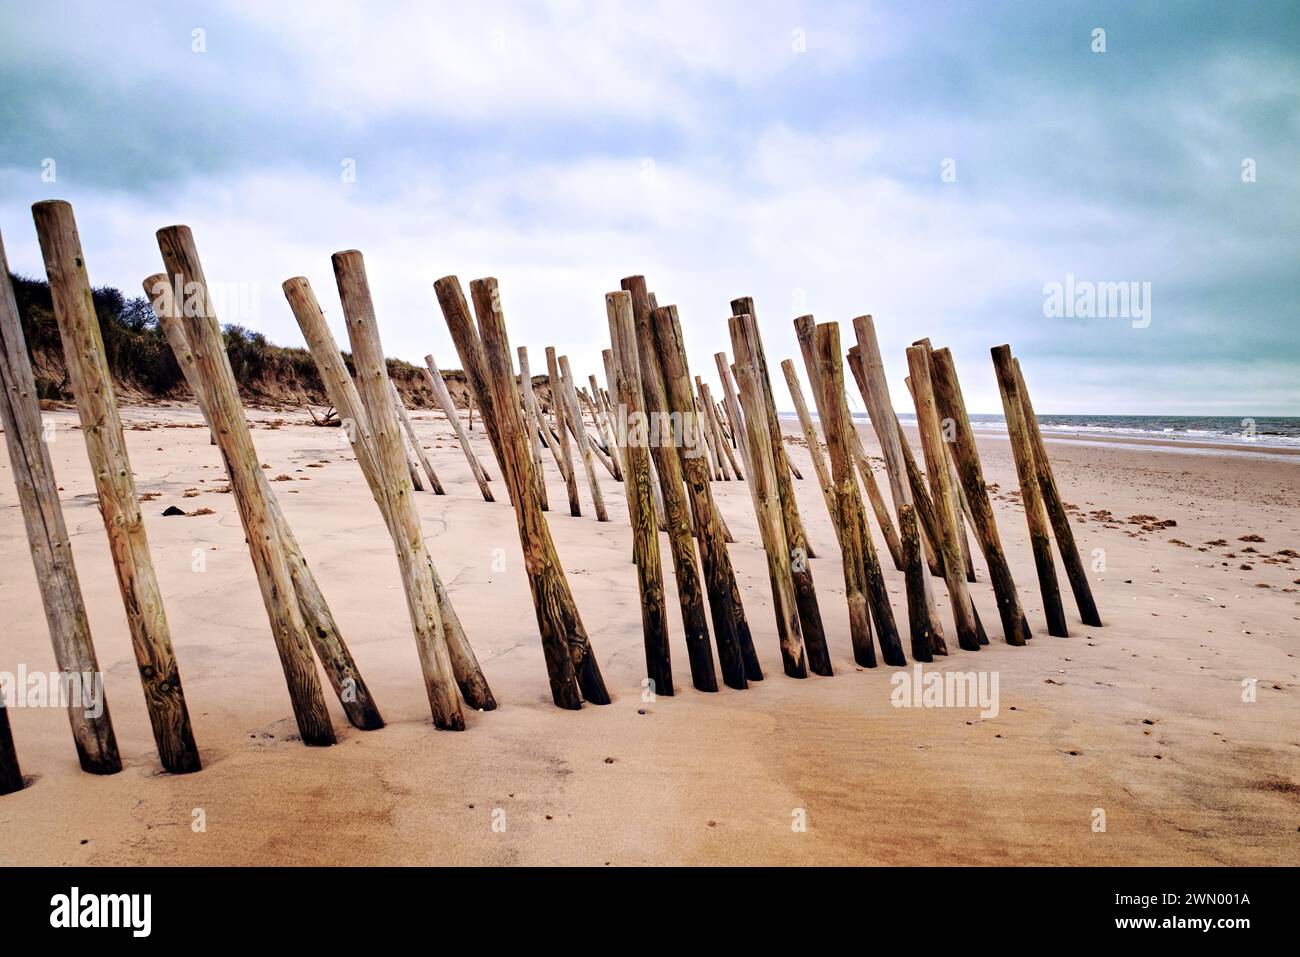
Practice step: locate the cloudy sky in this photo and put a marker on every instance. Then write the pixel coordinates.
(933, 164)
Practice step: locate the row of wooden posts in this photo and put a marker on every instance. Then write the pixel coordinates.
(659, 431)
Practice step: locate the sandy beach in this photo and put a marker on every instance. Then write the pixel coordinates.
(1142, 719)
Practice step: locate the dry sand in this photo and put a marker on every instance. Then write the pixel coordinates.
(1142, 718)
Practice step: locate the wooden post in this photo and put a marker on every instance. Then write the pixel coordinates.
(326, 638)
(1056, 511)
(1031, 497)
(119, 505)
(811, 438)
(730, 465)
(564, 639)
(560, 415)
(405, 419)
(944, 498)
(668, 468)
(451, 300)
(767, 501)
(529, 398)
(810, 619)
(440, 393)
(11, 775)
(377, 396)
(47, 536)
(539, 424)
(947, 392)
(252, 491)
(730, 628)
(863, 580)
(573, 412)
(954, 484)
(918, 617)
(869, 371)
(600, 415)
(345, 398)
(597, 445)
(704, 437)
(626, 380)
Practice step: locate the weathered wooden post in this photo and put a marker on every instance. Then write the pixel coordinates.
(864, 583)
(600, 414)
(947, 392)
(801, 550)
(1056, 511)
(705, 435)
(564, 639)
(326, 639)
(253, 493)
(531, 422)
(451, 300)
(119, 505)
(626, 381)
(440, 393)
(914, 577)
(573, 412)
(11, 775)
(1030, 496)
(767, 501)
(733, 408)
(345, 398)
(405, 419)
(377, 395)
(559, 413)
(47, 536)
(668, 468)
(730, 627)
(869, 371)
(944, 498)
(811, 438)
(730, 466)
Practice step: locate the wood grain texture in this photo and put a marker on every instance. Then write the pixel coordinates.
(864, 582)
(413, 559)
(250, 487)
(119, 504)
(668, 468)
(1031, 497)
(47, 535)
(626, 371)
(952, 405)
(1060, 519)
(443, 398)
(568, 651)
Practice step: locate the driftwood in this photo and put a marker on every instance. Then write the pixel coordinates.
(47, 536)
(1056, 511)
(119, 504)
(443, 397)
(864, 583)
(801, 550)
(947, 391)
(668, 468)
(568, 651)
(624, 366)
(1031, 497)
(378, 396)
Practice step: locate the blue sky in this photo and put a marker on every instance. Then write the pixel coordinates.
(795, 152)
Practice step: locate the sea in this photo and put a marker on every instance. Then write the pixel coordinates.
(1263, 431)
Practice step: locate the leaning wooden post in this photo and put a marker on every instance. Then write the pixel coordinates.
(541, 427)
(119, 505)
(564, 639)
(326, 638)
(733, 408)
(1030, 496)
(954, 483)
(668, 468)
(573, 412)
(767, 502)
(944, 498)
(559, 414)
(47, 536)
(531, 415)
(730, 465)
(947, 392)
(869, 371)
(252, 491)
(405, 419)
(810, 619)
(11, 775)
(599, 451)
(448, 407)
(600, 414)
(730, 628)
(864, 583)
(1056, 511)
(413, 559)
(451, 300)
(343, 395)
(812, 439)
(640, 497)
